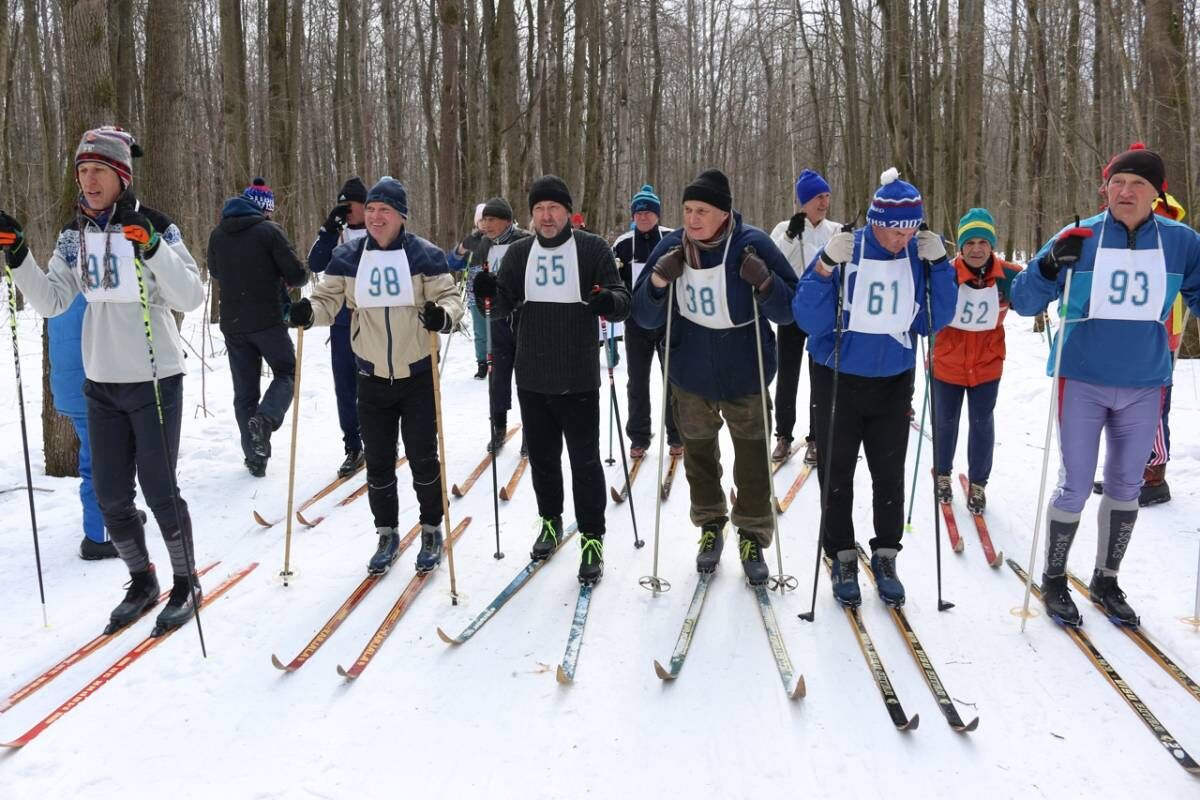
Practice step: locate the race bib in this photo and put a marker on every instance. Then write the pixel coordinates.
(884, 298)
(552, 274)
(123, 288)
(702, 298)
(350, 234)
(1128, 284)
(383, 280)
(495, 256)
(977, 309)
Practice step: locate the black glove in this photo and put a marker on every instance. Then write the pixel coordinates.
(134, 224)
(670, 264)
(471, 241)
(796, 225)
(336, 219)
(301, 315)
(1066, 250)
(12, 239)
(435, 318)
(484, 287)
(602, 302)
(754, 271)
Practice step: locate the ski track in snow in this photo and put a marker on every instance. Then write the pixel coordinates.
(488, 719)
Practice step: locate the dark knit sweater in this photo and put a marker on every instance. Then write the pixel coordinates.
(558, 344)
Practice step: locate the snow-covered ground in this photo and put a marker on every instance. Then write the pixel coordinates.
(488, 718)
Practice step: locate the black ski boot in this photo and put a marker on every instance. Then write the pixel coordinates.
(845, 579)
(141, 594)
(386, 553)
(712, 542)
(499, 424)
(481, 372)
(431, 548)
(255, 467)
(1057, 599)
(752, 559)
(95, 551)
(260, 436)
(354, 460)
(179, 608)
(1104, 590)
(591, 558)
(548, 539)
(524, 447)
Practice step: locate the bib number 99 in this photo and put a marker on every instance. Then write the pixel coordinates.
(96, 273)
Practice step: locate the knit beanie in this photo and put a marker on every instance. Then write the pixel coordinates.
(261, 195)
(390, 191)
(353, 190)
(112, 147)
(809, 185)
(897, 203)
(645, 200)
(712, 187)
(550, 187)
(977, 223)
(1141, 162)
(499, 208)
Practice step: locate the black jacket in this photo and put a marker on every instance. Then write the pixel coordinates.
(253, 259)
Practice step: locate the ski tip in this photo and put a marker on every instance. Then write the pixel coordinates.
(346, 673)
(261, 520)
(504, 493)
(800, 691)
(301, 519)
(662, 672)
(997, 561)
(457, 492)
(970, 726)
(447, 638)
(562, 677)
(959, 546)
(15, 744)
(279, 665)
(616, 496)
(911, 724)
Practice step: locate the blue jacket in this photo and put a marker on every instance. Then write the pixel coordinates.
(1113, 352)
(871, 355)
(66, 359)
(721, 364)
(318, 259)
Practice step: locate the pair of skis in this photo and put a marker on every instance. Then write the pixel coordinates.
(994, 558)
(320, 494)
(120, 665)
(345, 501)
(460, 490)
(664, 490)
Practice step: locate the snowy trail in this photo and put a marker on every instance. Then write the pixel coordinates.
(489, 718)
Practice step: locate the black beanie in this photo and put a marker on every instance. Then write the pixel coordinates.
(712, 187)
(1141, 162)
(353, 189)
(497, 207)
(550, 187)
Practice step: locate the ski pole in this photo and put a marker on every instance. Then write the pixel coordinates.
(606, 332)
(1195, 620)
(434, 346)
(287, 537)
(37, 550)
(491, 367)
(652, 581)
(912, 495)
(612, 405)
(942, 605)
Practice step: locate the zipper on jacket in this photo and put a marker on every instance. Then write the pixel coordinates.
(387, 324)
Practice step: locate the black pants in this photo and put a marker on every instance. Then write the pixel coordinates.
(787, 381)
(548, 419)
(403, 409)
(504, 355)
(246, 352)
(126, 437)
(345, 385)
(871, 413)
(640, 347)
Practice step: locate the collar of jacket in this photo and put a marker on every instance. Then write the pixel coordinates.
(964, 273)
(559, 239)
(397, 243)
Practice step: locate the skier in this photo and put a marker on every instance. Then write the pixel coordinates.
(1127, 264)
(879, 274)
(252, 257)
(799, 239)
(968, 357)
(632, 249)
(345, 223)
(724, 271)
(560, 280)
(463, 265)
(98, 253)
(397, 287)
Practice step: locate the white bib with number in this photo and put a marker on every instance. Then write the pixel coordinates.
(495, 256)
(383, 279)
(1128, 284)
(702, 297)
(884, 298)
(552, 274)
(124, 287)
(977, 309)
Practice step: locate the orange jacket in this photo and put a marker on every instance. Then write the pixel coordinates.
(969, 358)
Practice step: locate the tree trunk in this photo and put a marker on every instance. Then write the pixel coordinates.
(448, 202)
(1170, 107)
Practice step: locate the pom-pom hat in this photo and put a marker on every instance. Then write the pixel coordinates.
(897, 203)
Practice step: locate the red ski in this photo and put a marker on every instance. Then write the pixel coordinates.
(798, 484)
(956, 541)
(322, 493)
(994, 559)
(345, 501)
(460, 491)
(509, 489)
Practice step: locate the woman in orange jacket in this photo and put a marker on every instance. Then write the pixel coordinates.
(968, 357)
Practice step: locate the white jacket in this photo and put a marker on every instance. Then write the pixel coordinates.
(802, 250)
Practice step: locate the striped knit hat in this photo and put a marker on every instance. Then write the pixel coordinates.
(112, 147)
(645, 200)
(897, 204)
(977, 223)
(261, 195)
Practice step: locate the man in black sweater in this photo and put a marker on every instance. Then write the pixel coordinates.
(561, 280)
(253, 259)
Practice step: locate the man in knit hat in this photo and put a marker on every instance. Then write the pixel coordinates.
(345, 223)
(877, 277)
(799, 239)
(253, 259)
(715, 275)
(633, 249)
(561, 280)
(1125, 265)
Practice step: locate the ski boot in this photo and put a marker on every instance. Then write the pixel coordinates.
(141, 594)
(637, 451)
(256, 467)
(548, 539)
(431, 548)
(845, 579)
(354, 460)
(942, 490)
(810, 453)
(752, 559)
(179, 608)
(96, 551)
(712, 542)
(1104, 590)
(1154, 486)
(481, 372)
(783, 448)
(674, 449)
(260, 436)
(976, 498)
(591, 558)
(883, 564)
(386, 552)
(499, 425)
(1057, 599)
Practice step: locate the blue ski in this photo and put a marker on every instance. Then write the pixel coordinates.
(566, 670)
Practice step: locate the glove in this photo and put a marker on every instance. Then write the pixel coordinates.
(336, 219)
(1066, 250)
(12, 239)
(839, 249)
(796, 225)
(930, 246)
(670, 264)
(602, 302)
(471, 241)
(435, 318)
(135, 226)
(301, 314)
(484, 287)
(754, 271)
